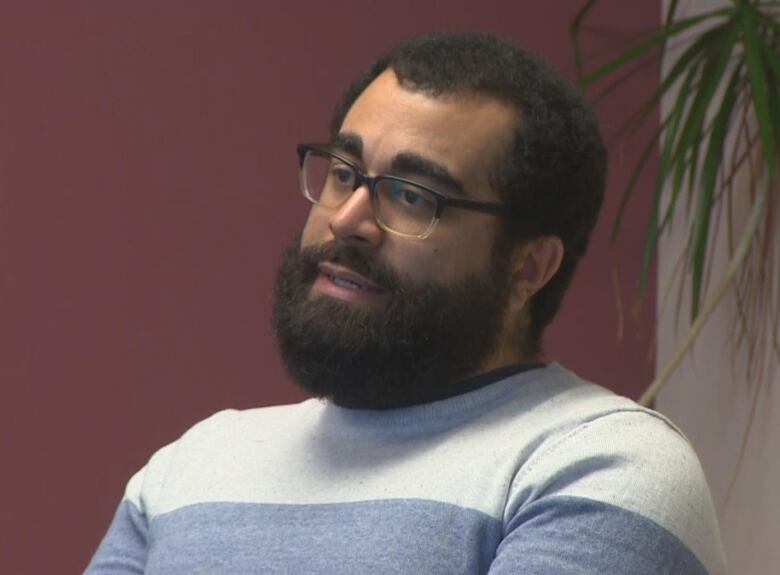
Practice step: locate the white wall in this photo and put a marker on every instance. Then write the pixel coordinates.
(710, 398)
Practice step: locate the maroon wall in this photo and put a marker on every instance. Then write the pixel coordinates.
(147, 187)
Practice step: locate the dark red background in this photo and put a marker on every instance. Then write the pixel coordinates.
(147, 188)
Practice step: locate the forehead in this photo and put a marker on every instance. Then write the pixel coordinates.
(466, 133)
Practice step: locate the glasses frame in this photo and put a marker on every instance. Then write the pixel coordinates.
(361, 178)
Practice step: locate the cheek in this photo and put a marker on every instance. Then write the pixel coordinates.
(315, 229)
(459, 256)
(426, 264)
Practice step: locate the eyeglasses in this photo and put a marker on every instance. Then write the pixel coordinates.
(400, 206)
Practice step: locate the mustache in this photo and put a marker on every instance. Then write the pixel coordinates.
(352, 257)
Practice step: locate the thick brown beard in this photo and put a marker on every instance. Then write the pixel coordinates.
(412, 351)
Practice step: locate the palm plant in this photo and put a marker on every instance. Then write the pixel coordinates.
(725, 118)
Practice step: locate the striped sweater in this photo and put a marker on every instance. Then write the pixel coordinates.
(540, 473)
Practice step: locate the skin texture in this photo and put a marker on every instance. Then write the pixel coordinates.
(467, 135)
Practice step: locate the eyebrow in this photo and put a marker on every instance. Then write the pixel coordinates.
(413, 164)
(410, 164)
(350, 143)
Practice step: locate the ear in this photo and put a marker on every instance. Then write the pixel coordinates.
(533, 265)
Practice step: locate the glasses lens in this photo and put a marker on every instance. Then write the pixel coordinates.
(404, 207)
(326, 180)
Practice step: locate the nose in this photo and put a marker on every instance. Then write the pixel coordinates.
(355, 220)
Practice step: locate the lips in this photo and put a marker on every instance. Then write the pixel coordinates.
(347, 278)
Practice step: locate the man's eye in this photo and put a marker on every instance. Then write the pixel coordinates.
(341, 174)
(406, 196)
(411, 198)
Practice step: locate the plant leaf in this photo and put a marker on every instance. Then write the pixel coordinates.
(574, 32)
(768, 20)
(628, 192)
(651, 244)
(671, 125)
(758, 87)
(671, 10)
(687, 151)
(709, 175)
(670, 137)
(773, 84)
(695, 51)
(666, 31)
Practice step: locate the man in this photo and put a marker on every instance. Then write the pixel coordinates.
(450, 207)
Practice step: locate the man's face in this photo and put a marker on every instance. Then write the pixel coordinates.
(374, 319)
(462, 136)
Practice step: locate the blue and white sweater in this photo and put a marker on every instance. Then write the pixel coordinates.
(540, 473)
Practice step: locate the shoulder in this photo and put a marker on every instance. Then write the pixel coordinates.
(256, 421)
(211, 445)
(624, 444)
(606, 447)
(606, 457)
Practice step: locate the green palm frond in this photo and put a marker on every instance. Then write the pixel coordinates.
(731, 59)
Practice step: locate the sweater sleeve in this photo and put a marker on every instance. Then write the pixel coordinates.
(124, 547)
(622, 494)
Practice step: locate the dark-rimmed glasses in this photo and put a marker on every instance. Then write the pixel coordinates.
(401, 206)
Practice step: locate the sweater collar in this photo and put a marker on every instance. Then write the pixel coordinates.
(468, 396)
